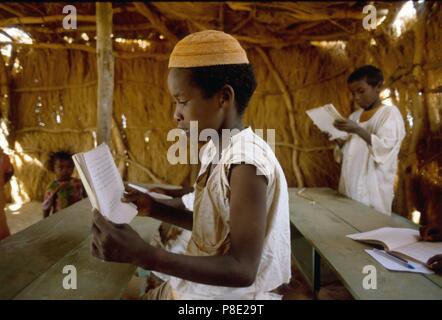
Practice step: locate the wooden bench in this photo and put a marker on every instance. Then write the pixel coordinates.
(32, 261)
(321, 219)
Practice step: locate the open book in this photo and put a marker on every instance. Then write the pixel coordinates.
(403, 242)
(323, 117)
(103, 184)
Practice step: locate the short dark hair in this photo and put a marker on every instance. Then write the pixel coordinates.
(240, 77)
(59, 155)
(370, 73)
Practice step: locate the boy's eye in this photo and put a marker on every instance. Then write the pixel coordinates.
(182, 102)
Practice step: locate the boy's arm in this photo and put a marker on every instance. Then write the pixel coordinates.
(149, 207)
(174, 214)
(237, 268)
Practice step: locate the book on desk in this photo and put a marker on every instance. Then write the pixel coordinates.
(404, 243)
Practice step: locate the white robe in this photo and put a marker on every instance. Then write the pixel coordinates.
(368, 172)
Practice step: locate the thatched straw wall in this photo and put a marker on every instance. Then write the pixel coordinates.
(141, 95)
(290, 81)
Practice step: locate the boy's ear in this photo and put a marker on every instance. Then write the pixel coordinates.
(227, 96)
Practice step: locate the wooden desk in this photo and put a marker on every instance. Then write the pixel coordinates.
(322, 218)
(32, 261)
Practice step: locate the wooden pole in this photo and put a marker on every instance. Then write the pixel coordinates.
(105, 71)
(290, 111)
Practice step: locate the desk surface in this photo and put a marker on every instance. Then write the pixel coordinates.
(32, 261)
(327, 220)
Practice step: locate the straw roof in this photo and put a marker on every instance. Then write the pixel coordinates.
(266, 23)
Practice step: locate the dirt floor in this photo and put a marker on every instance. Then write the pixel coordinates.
(298, 289)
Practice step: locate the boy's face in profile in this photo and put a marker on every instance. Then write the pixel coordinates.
(191, 105)
(63, 169)
(364, 94)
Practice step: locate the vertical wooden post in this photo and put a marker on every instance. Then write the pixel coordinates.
(419, 107)
(290, 111)
(105, 70)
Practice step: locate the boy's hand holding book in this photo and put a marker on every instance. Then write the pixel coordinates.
(120, 243)
(347, 125)
(143, 201)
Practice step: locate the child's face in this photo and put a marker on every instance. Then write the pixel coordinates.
(63, 169)
(364, 94)
(190, 104)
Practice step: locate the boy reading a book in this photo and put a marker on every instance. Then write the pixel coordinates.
(240, 242)
(371, 149)
(64, 190)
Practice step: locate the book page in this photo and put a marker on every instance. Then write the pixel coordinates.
(391, 238)
(323, 117)
(154, 195)
(421, 251)
(85, 179)
(108, 185)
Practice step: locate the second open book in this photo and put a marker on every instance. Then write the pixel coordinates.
(402, 241)
(324, 117)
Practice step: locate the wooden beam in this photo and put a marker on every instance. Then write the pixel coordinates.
(10, 10)
(41, 20)
(105, 71)
(88, 28)
(55, 18)
(89, 49)
(155, 20)
(290, 111)
(52, 46)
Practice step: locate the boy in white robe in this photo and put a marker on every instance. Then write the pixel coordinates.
(371, 148)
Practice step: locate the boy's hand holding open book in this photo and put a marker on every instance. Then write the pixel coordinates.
(346, 125)
(325, 118)
(143, 201)
(120, 243)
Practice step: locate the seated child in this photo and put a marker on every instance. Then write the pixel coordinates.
(64, 190)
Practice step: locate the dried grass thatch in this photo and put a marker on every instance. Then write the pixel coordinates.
(293, 76)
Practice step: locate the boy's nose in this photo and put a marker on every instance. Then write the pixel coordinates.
(177, 115)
